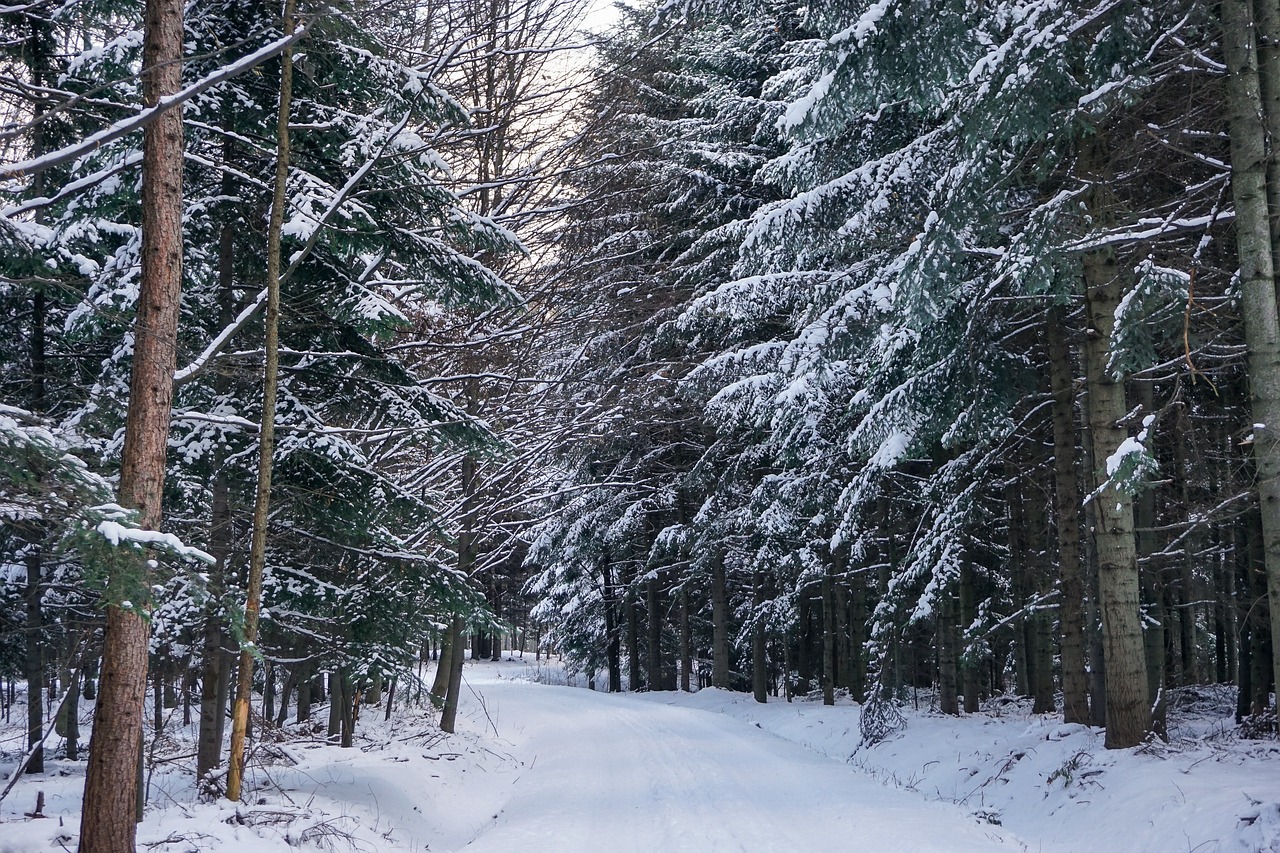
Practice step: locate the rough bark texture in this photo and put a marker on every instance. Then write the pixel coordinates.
(111, 792)
(1249, 162)
(1128, 709)
(1128, 712)
(1066, 497)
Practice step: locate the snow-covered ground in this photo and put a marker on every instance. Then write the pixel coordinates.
(539, 767)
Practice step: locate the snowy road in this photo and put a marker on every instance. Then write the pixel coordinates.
(619, 773)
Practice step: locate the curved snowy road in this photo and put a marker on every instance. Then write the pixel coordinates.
(616, 773)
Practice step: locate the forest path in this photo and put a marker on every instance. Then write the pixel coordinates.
(617, 773)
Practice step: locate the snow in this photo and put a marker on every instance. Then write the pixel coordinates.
(1131, 446)
(539, 767)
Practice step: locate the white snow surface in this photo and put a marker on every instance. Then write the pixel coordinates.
(538, 767)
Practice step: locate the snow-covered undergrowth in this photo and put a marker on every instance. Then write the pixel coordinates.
(1034, 783)
(404, 786)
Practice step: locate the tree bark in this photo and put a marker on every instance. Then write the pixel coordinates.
(34, 658)
(111, 790)
(1254, 244)
(719, 625)
(970, 671)
(266, 433)
(759, 646)
(828, 636)
(948, 695)
(631, 613)
(1128, 709)
(686, 644)
(440, 683)
(449, 713)
(653, 658)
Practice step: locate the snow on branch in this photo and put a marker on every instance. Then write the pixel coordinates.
(139, 120)
(115, 532)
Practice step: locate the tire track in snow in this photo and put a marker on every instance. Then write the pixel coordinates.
(616, 774)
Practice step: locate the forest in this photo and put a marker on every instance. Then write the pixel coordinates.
(849, 350)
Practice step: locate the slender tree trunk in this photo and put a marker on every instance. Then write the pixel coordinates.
(214, 667)
(440, 683)
(804, 664)
(109, 815)
(1018, 556)
(1255, 685)
(828, 636)
(631, 613)
(34, 659)
(654, 624)
(449, 713)
(719, 625)
(266, 433)
(303, 713)
(1039, 625)
(1155, 622)
(613, 649)
(686, 644)
(844, 651)
(948, 696)
(336, 701)
(290, 683)
(858, 638)
(969, 669)
(1255, 248)
(349, 707)
(759, 646)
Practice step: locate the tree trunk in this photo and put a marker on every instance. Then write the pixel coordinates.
(303, 713)
(266, 433)
(440, 683)
(34, 659)
(654, 623)
(686, 643)
(631, 613)
(858, 638)
(719, 624)
(948, 696)
(1128, 709)
(613, 647)
(1039, 624)
(336, 699)
(759, 645)
(109, 815)
(1018, 555)
(969, 668)
(349, 707)
(1254, 244)
(828, 636)
(804, 665)
(449, 713)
